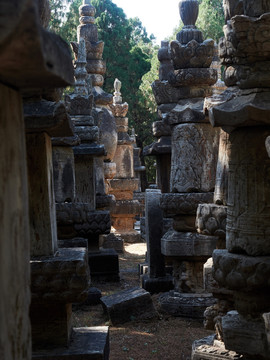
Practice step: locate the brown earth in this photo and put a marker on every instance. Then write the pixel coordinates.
(166, 338)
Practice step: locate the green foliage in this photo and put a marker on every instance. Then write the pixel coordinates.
(211, 19)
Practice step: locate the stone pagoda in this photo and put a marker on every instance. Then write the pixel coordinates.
(193, 163)
(96, 68)
(124, 184)
(243, 112)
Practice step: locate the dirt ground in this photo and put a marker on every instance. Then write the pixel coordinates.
(165, 338)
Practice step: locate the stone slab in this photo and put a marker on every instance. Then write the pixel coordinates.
(187, 245)
(89, 149)
(187, 111)
(71, 243)
(185, 304)
(89, 343)
(128, 305)
(162, 146)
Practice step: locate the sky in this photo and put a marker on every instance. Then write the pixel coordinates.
(158, 17)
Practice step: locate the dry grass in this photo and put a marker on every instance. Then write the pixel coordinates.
(166, 338)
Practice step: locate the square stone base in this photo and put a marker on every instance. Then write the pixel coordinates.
(88, 343)
(157, 285)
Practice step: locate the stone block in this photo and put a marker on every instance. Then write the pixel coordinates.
(124, 184)
(187, 111)
(194, 158)
(191, 76)
(211, 220)
(63, 278)
(111, 241)
(185, 305)
(160, 128)
(158, 284)
(88, 343)
(73, 243)
(245, 336)
(78, 220)
(191, 245)
(85, 180)
(165, 93)
(104, 265)
(93, 296)
(184, 204)
(128, 305)
(185, 223)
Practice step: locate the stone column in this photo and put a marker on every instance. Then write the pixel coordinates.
(193, 163)
(155, 281)
(243, 113)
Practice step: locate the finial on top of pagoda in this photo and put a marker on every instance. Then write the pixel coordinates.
(80, 71)
(87, 12)
(189, 10)
(118, 108)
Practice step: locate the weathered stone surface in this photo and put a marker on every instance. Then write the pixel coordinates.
(91, 343)
(64, 176)
(161, 129)
(101, 97)
(165, 93)
(89, 149)
(123, 159)
(160, 147)
(93, 296)
(66, 141)
(197, 147)
(187, 111)
(246, 108)
(193, 54)
(191, 76)
(211, 349)
(119, 110)
(128, 207)
(50, 57)
(158, 284)
(164, 58)
(111, 241)
(85, 180)
(245, 336)
(71, 243)
(185, 305)
(184, 244)
(241, 272)
(128, 305)
(184, 204)
(60, 279)
(47, 116)
(248, 215)
(246, 40)
(79, 104)
(41, 195)
(232, 8)
(211, 220)
(78, 219)
(14, 220)
(108, 132)
(87, 134)
(222, 173)
(184, 223)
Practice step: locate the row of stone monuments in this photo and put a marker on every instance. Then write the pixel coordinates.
(58, 163)
(212, 153)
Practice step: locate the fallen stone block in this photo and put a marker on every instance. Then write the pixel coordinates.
(128, 305)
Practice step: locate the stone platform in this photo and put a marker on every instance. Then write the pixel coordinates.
(87, 343)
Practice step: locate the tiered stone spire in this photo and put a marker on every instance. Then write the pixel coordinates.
(193, 159)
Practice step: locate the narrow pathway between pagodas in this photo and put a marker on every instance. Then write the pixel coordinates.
(165, 338)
